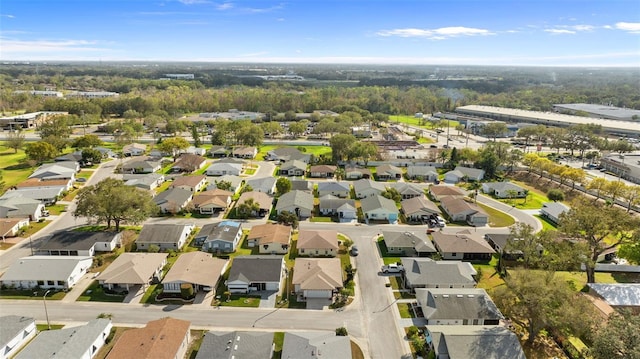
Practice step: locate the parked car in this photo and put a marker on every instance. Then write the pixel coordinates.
(392, 268)
(354, 251)
(81, 179)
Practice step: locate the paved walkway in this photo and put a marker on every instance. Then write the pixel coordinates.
(79, 288)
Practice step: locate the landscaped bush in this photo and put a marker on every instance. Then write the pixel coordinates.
(186, 290)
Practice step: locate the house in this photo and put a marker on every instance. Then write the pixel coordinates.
(618, 295)
(173, 200)
(133, 269)
(504, 190)
(301, 185)
(322, 171)
(457, 306)
(224, 168)
(388, 172)
(46, 272)
(419, 209)
(106, 152)
(462, 246)
(264, 184)
(218, 151)
(464, 174)
(344, 209)
(440, 191)
(10, 227)
(284, 154)
(75, 156)
(352, 172)
(190, 183)
(310, 345)
(317, 278)
(473, 342)
(378, 208)
(413, 244)
(82, 342)
(256, 273)
(49, 196)
(460, 210)
(15, 332)
(134, 149)
(427, 273)
(188, 162)
(318, 243)
(270, 238)
(20, 207)
(162, 338)
(247, 152)
(232, 345)
(364, 188)
(408, 190)
(220, 237)
(212, 201)
(340, 189)
(500, 242)
(298, 202)
(149, 181)
(67, 184)
(234, 181)
(422, 173)
(79, 243)
(56, 171)
(141, 166)
(552, 211)
(293, 168)
(263, 200)
(198, 269)
(165, 236)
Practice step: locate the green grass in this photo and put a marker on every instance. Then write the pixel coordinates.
(386, 257)
(278, 341)
(497, 218)
(13, 166)
(321, 219)
(85, 174)
(314, 150)
(34, 227)
(151, 293)
(95, 293)
(490, 277)
(534, 200)
(29, 294)
(413, 121)
(546, 225)
(56, 209)
(241, 301)
(405, 310)
(250, 171)
(43, 327)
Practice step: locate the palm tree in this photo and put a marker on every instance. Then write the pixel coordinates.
(247, 208)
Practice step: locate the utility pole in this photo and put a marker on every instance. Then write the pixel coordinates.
(46, 313)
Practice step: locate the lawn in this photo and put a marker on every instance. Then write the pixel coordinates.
(386, 257)
(29, 294)
(314, 150)
(414, 121)
(497, 218)
(241, 301)
(13, 166)
(56, 209)
(34, 227)
(534, 200)
(546, 225)
(490, 277)
(405, 310)
(85, 174)
(196, 342)
(278, 340)
(43, 327)
(95, 293)
(113, 337)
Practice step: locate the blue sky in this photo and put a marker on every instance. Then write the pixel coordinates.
(468, 32)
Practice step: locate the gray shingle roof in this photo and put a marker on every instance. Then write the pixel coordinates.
(457, 303)
(229, 345)
(424, 271)
(224, 231)
(376, 202)
(76, 240)
(334, 186)
(11, 326)
(299, 199)
(44, 268)
(408, 239)
(264, 184)
(475, 341)
(256, 268)
(419, 205)
(311, 345)
(175, 195)
(461, 243)
(162, 233)
(332, 202)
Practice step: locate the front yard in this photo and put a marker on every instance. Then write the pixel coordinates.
(95, 293)
(35, 294)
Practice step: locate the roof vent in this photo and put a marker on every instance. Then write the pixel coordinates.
(460, 296)
(445, 296)
(470, 295)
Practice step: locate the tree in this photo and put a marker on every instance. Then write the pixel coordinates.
(223, 185)
(251, 135)
(283, 185)
(56, 126)
(195, 134)
(555, 195)
(297, 128)
(618, 338)
(340, 145)
(599, 230)
(41, 151)
(598, 185)
(173, 145)
(15, 140)
(489, 162)
(111, 201)
(364, 151)
(524, 239)
(494, 130)
(631, 195)
(86, 141)
(288, 218)
(393, 194)
(91, 155)
(247, 208)
(342, 332)
(613, 189)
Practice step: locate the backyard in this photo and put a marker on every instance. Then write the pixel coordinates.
(316, 151)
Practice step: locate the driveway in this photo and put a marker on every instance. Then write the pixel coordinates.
(318, 303)
(135, 295)
(267, 299)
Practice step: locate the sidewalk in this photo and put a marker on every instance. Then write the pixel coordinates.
(79, 288)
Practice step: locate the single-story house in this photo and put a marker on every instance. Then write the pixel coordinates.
(212, 201)
(56, 171)
(500, 241)
(408, 190)
(54, 272)
(188, 162)
(427, 273)
(223, 168)
(378, 208)
(149, 181)
(256, 273)
(162, 338)
(364, 188)
(66, 183)
(293, 168)
(264, 184)
(438, 192)
(298, 202)
(461, 173)
(270, 238)
(82, 342)
(354, 173)
(222, 237)
(405, 243)
(418, 209)
(388, 172)
(218, 151)
(79, 243)
(618, 295)
(460, 210)
(75, 156)
(245, 345)
(15, 333)
(166, 236)
(10, 227)
(301, 185)
(190, 183)
(20, 207)
(248, 152)
(284, 154)
(133, 269)
(318, 243)
(504, 190)
(263, 200)
(234, 181)
(134, 149)
(458, 306)
(49, 196)
(462, 246)
(474, 341)
(311, 344)
(422, 173)
(199, 269)
(141, 166)
(552, 211)
(340, 189)
(317, 278)
(345, 209)
(322, 171)
(173, 200)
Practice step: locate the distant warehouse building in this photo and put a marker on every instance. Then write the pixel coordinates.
(549, 119)
(626, 166)
(599, 111)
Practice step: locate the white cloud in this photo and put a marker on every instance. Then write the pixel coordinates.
(8, 16)
(559, 31)
(632, 27)
(10, 46)
(436, 34)
(193, 2)
(582, 27)
(224, 6)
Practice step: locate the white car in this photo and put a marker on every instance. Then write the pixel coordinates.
(392, 268)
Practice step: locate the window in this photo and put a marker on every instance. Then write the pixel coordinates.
(454, 254)
(51, 282)
(40, 282)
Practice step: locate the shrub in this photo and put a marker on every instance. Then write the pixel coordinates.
(412, 331)
(342, 332)
(186, 290)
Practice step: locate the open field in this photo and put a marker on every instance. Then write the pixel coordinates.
(314, 150)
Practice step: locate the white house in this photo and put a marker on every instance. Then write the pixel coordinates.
(15, 331)
(256, 273)
(504, 190)
(54, 272)
(224, 168)
(340, 189)
(367, 188)
(378, 208)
